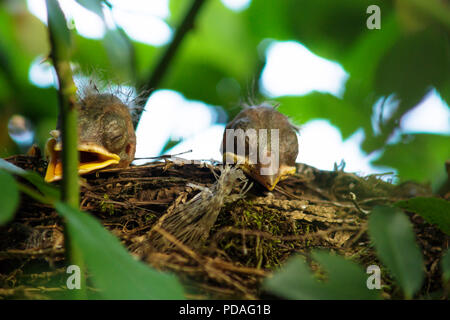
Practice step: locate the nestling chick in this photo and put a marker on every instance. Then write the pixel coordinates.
(263, 142)
(105, 137)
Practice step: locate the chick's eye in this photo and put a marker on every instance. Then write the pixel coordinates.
(116, 138)
(114, 133)
(113, 129)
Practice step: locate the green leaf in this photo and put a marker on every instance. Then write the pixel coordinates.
(93, 5)
(92, 52)
(120, 52)
(392, 234)
(318, 105)
(445, 263)
(9, 197)
(433, 210)
(361, 63)
(47, 189)
(114, 271)
(11, 168)
(444, 92)
(419, 157)
(346, 280)
(413, 64)
(211, 53)
(327, 27)
(34, 178)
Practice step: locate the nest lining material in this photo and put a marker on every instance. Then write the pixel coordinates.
(231, 236)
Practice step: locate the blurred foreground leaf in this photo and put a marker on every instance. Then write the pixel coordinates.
(114, 271)
(433, 210)
(445, 264)
(34, 178)
(121, 55)
(9, 197)
(392, 234)
(418, 157)
(413, 64)
(345, 280)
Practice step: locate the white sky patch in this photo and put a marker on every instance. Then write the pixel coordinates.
(142, 20)
(237, 5)
(38, 8)
(321, 146)
(432, 115)
(20, 130)
(291, 69)
(205, 145)
(41, 73)
(87, 23)
(169, 115)
(157, 8)
(143, 28)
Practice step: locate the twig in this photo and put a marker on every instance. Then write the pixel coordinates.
(357, 237)
(231, 267)
(267, 235)
(358, 207)
(178, 244)
(27, 253)
(163, 64)
(164, 156)
(208, 266)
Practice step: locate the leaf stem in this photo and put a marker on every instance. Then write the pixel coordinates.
(60, 44)
(59, 37)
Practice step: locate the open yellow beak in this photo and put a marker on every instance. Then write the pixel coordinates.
(92, 157)
(268, 181)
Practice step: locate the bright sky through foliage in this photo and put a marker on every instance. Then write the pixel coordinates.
(142, 20)
(236, 5)
(291, 69)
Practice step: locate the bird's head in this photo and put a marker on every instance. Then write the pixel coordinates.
(263, 142)
(105, 137)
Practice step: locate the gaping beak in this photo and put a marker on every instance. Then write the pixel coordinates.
(92, 157)
(254, 170)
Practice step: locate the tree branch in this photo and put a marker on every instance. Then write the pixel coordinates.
(165, 60)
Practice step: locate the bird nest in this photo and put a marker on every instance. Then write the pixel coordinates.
(248, 233)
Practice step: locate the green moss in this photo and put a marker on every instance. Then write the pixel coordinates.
(255, 250)
(106, 207)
